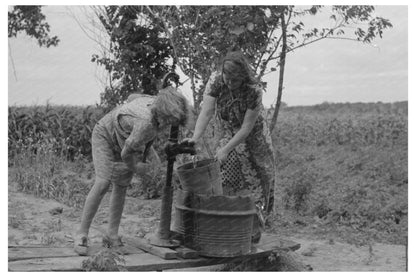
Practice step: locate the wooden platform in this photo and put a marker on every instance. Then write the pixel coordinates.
(140, 256)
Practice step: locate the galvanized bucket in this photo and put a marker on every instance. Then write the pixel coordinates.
(202, 177)
(215, 225)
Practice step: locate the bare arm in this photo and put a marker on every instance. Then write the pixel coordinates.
(208, 109)
(134, 146)
(127, 155)
(249, 120)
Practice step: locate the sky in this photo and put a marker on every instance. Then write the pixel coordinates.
(347, 71)
(329, 70)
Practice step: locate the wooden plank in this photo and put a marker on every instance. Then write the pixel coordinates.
(133, 262)
(47, 264)
(275, 242)
(159, 264)
(162, 265)
(24, 253)
(41, 258)
(162, 252)
(186, 253)
(30, 252)
(215, 267)
(29, 246)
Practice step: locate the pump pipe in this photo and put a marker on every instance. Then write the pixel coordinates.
(162, 237)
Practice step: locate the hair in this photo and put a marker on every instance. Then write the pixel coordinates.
(170, 103)
(240, 67)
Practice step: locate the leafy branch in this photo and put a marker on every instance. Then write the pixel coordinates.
(30, 20)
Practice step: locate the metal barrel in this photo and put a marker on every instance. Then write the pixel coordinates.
(215, 225)
(202, 177)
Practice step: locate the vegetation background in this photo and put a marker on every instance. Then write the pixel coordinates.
(344, 166)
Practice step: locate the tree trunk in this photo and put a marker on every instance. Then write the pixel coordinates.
(281, 73)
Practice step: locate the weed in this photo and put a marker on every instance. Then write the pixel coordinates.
(40, 171)
(105, 260)
(298, 190)
(17, 221)
(14, 222)
(31, 237)
(48, 238)
(54, 225)
(371, 255)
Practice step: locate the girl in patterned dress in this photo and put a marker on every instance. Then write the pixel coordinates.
(120, 142)
(244, 147)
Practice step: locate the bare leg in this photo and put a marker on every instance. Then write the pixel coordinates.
(118, 196)
(91, 205)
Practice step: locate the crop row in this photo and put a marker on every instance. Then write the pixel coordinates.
(68, 129)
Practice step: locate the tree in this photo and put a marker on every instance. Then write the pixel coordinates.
(343, 18)
(31, 20)
(138, 54)
(196, 37)
(199, 35)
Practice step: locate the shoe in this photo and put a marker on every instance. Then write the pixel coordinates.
(81, 245)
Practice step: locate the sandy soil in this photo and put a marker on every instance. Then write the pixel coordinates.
(39, 221)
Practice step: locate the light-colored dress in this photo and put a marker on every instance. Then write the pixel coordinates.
(129, 124)
(250, 167)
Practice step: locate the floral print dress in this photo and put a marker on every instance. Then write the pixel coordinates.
(250, 167)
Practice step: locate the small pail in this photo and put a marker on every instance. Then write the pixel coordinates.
(202, 177)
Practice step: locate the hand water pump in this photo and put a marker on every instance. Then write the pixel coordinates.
(172, 148)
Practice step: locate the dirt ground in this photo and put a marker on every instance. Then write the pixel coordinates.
(33, 220)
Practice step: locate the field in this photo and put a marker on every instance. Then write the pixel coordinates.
(342, 181)
(346, 165)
